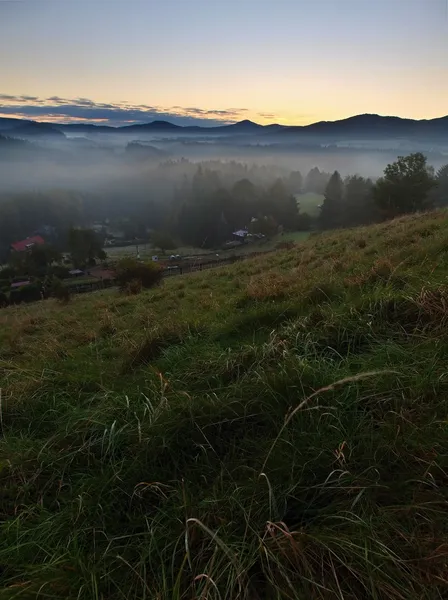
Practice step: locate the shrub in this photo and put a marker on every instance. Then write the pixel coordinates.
(27, 293)
(62, 294)
(8, 272)
(3, 300)
(133, 287)
(60, 271)
(129, 271)
(58, 290)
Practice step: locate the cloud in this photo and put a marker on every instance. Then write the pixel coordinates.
(72, 110)
(266, 115)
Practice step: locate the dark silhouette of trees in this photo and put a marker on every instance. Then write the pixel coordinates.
(316, 181)
(439, 194)
(294, 183)
(35, 261)
(163, 240)
(243, 203)
(405, 186)
(359, 206)
(85, 246)
(132, 275)
(263, 225)
(331, 213)
(281, 204)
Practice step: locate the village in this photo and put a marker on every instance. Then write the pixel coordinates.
(36, 270)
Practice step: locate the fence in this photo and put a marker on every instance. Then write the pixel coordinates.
(183, 269)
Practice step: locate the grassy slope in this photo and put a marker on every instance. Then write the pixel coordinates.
(159, 446)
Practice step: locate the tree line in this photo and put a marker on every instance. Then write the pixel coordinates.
(158, 200)
(203, 204)
(408, 185)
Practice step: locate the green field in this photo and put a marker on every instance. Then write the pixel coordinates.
(309, 203)
(274, 429)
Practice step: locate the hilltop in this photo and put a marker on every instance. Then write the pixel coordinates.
(367, 126)
(271, 429)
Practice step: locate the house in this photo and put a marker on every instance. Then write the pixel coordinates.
(241, 234)
(30, 242)
(75, 273)
(19, 284)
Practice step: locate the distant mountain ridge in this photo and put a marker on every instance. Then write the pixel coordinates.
(358, 126)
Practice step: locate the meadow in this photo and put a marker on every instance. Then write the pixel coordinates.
(309, 203)
(272, 429)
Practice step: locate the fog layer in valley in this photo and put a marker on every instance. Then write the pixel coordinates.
(182, 181)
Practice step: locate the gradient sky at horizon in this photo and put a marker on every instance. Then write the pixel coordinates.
(284, 61)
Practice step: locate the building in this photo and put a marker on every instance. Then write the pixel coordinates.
(241, 234)
(28, 243)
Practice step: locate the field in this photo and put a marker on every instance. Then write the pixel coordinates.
(310, 203)
(273, 429)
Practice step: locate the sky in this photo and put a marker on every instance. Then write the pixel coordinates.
(206, 62)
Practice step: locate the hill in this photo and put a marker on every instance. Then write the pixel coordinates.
(357, 127)
(375, 126)
(17, 128)
(273, 429)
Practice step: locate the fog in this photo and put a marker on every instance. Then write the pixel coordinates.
(87, 162)
(198, 187)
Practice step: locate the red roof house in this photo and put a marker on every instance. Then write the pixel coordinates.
(22, 246)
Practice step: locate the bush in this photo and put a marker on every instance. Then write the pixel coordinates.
(8, 272)
(62, 294)
(132, 275)
(27, 293)
(133, 287)
(54, 287)
(60, 271)
(3, 300)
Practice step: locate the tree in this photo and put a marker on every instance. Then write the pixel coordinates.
(202, 222)
(205, 182)
(359, 205)
(439, 194)
(281, 204)
(44, 255)
(163, 241)
(316, 181)
(242, 203)
(405, 187)
(331, 210)
(304, 222)
(263, 225)
(84, 246)
(295, 182)
(130, 271)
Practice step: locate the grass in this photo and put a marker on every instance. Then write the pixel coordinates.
(147, 251)
(309, 203)
(273, 429)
